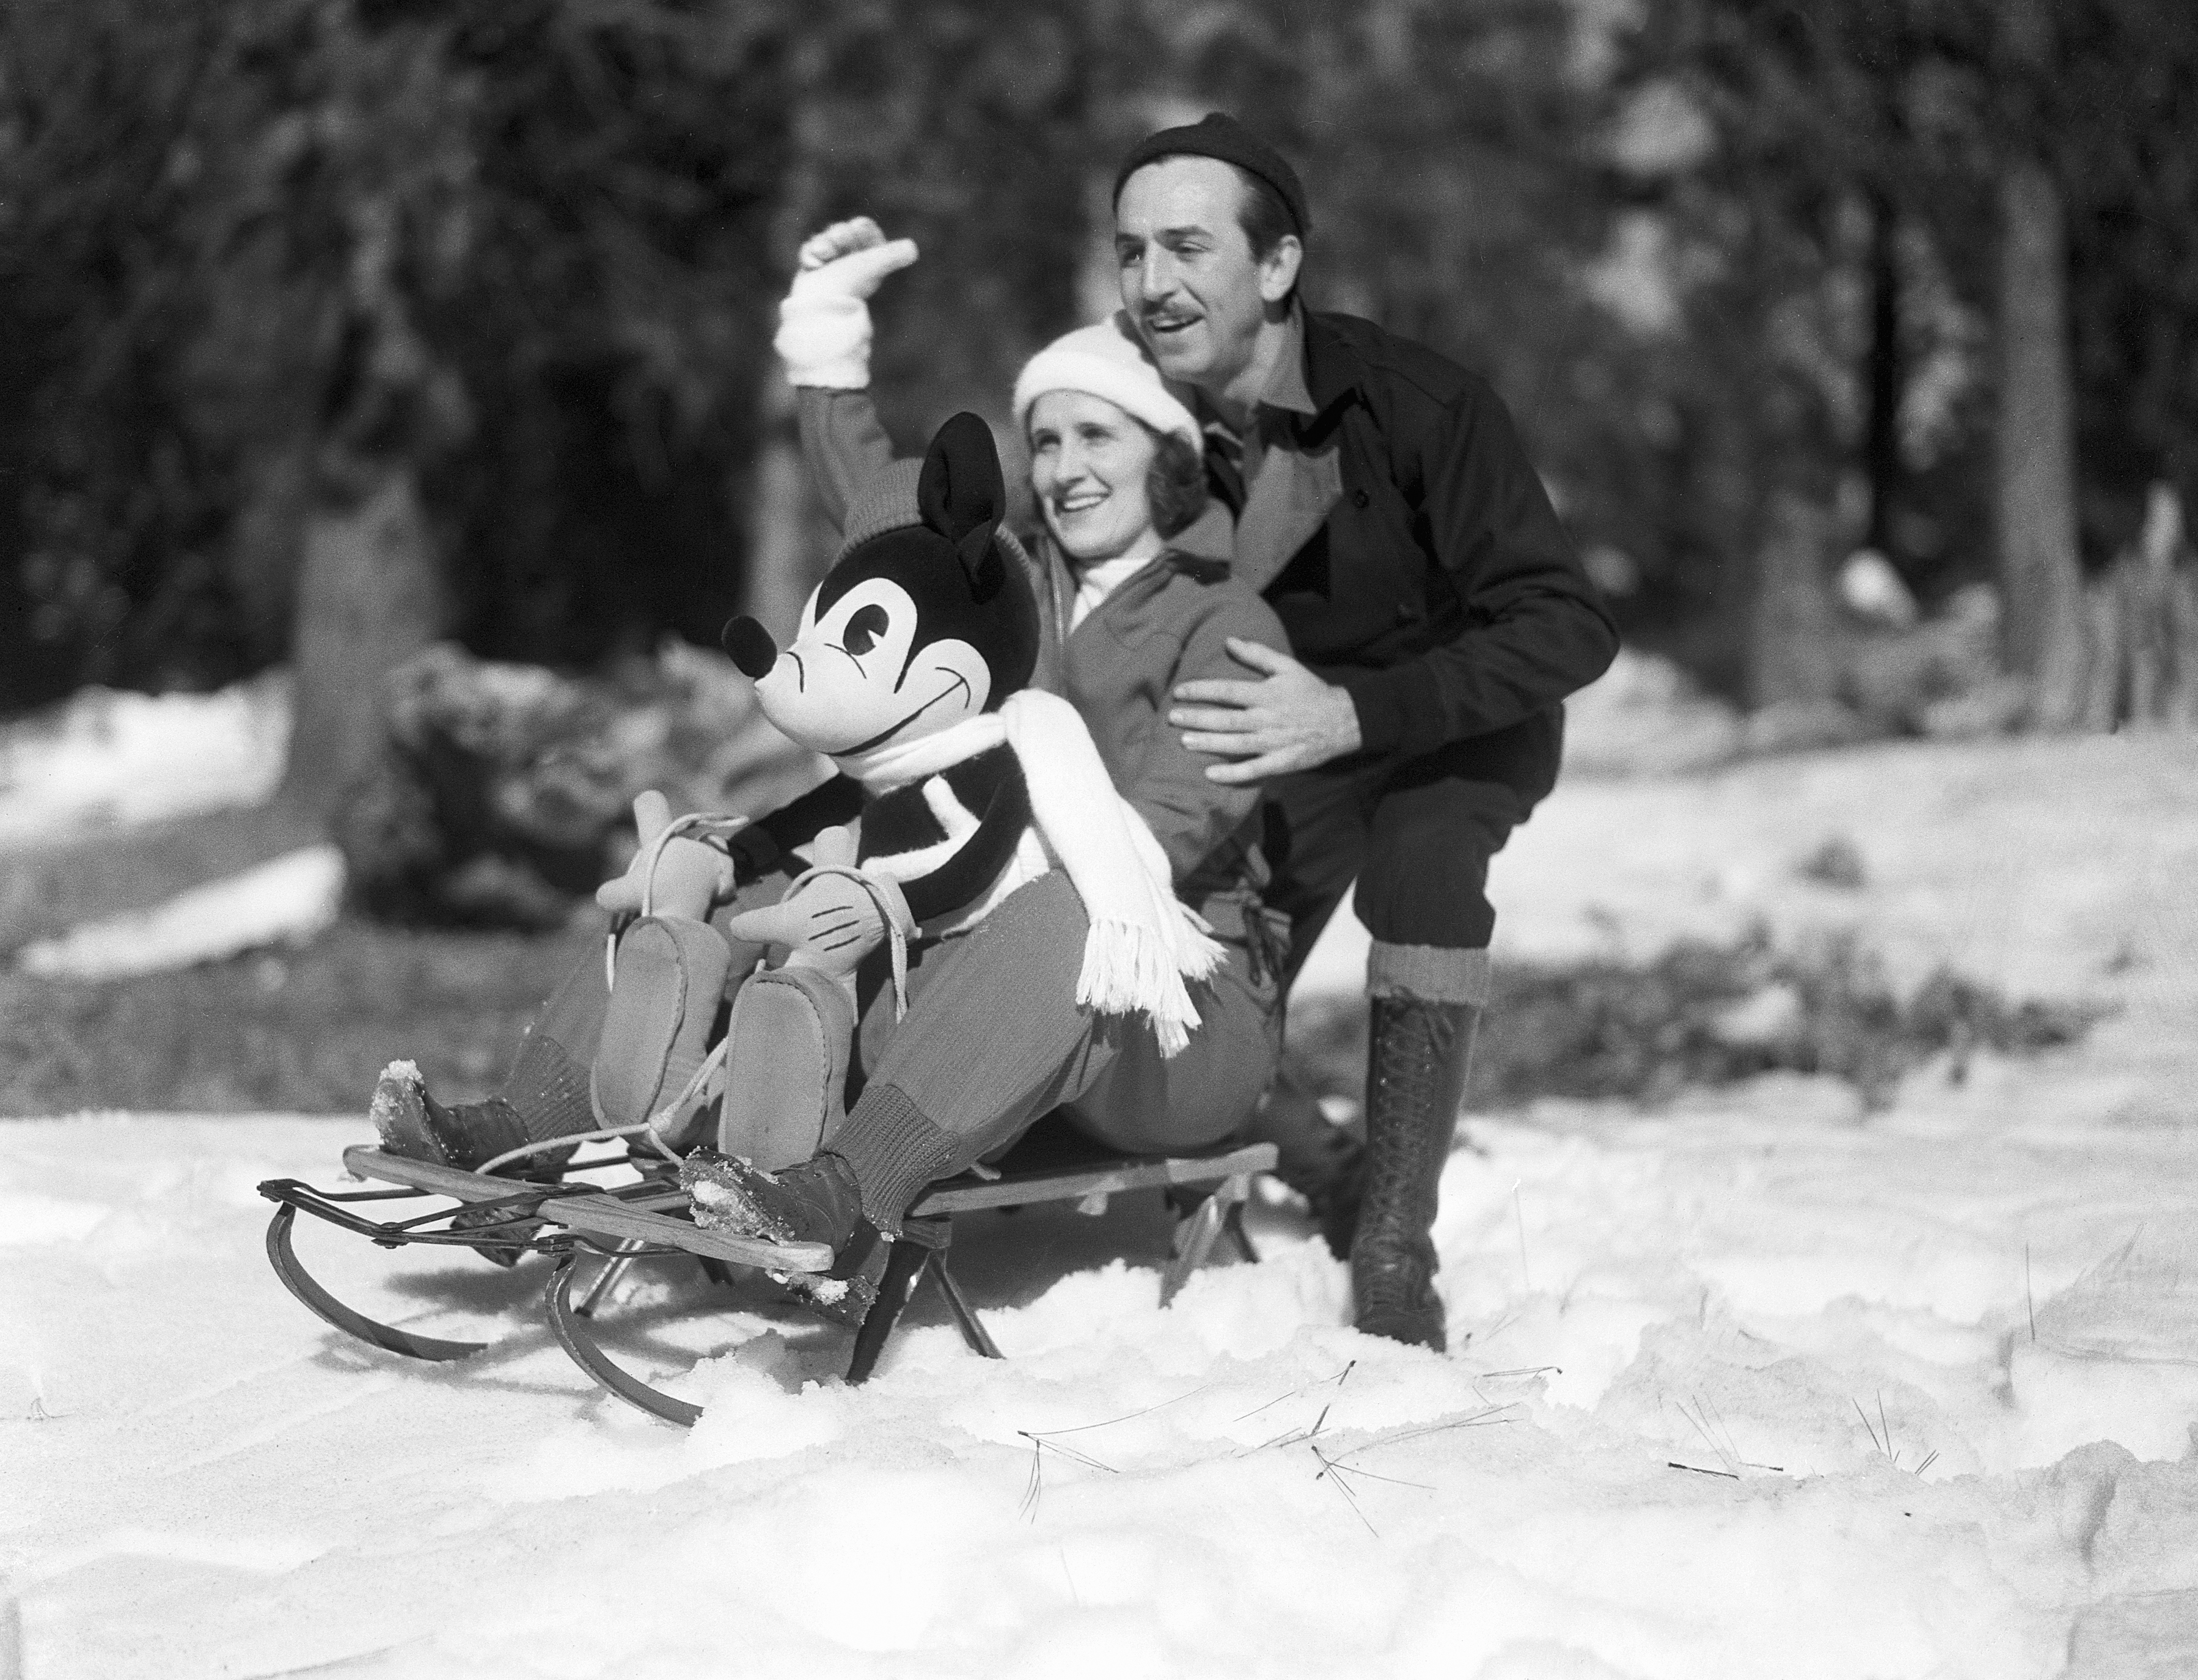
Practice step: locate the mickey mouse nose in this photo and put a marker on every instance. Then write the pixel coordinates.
(751, 647)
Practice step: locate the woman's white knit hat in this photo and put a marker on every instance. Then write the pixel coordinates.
(1105, 360)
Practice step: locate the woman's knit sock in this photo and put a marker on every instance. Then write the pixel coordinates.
(549, 1089)
(894, 1150)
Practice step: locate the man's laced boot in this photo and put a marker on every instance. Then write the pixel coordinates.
(1416, 1060)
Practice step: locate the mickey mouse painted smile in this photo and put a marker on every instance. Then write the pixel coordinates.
(849, 670)
(927, 604)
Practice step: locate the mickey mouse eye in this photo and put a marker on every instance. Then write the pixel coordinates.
(864, 628)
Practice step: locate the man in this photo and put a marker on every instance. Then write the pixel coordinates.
(1439, 614)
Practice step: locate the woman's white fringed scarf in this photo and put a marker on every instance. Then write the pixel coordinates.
(1144, 941)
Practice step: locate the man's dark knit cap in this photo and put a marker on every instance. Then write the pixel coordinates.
(1216, 135)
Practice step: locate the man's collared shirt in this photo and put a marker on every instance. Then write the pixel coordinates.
(1288, 489)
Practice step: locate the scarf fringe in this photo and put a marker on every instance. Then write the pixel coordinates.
(1128, 970)
(1142, 942)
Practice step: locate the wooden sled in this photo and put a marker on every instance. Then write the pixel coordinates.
(575, 1222)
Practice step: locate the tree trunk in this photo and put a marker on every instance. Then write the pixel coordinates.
(266, 547)
(1881, 441)
(2146, 575)
(2139, 670)
(2099, 697)
(370, 597)
(2043, 619)
(1793, 636)
(2179, 705)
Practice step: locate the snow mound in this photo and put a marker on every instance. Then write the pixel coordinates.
(287, 900)
(1645, 717)
(1719, 1377)
(109, 757)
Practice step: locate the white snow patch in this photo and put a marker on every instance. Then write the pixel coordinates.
(287, 900)
(39, 1219)
(109, 757)
(1926, 1372)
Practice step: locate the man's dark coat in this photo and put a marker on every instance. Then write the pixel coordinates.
(1441, 590)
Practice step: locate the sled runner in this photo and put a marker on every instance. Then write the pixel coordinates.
(574, 1222)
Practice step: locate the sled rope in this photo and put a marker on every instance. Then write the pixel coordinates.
(661, 1122)
(892, 906)
(652, 1129)
(708, 825)
(570, 1138)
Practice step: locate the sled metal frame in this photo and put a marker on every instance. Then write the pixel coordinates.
(637, 1222)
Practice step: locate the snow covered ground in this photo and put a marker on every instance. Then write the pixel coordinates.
(1756, 1385)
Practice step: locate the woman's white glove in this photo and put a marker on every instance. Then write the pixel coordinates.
(824, 323)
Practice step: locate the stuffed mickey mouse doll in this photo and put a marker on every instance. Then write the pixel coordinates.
(926, 623)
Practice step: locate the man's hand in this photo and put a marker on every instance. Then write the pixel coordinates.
(1287, 720)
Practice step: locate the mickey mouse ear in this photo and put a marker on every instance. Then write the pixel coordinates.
(960, 491)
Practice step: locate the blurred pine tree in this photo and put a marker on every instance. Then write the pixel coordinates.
(262, 262)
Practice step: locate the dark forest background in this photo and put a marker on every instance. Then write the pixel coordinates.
(330, 328)
(362, 337)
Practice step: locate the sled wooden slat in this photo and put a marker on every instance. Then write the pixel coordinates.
(444, 1181)
(597, 1215)
(1069, 1184)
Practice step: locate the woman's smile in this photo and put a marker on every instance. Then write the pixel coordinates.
(1090, 464)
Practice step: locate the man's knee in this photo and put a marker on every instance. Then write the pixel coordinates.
(1425, 880)
(1432, 895)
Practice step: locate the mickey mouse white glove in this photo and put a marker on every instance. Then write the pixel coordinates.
(824, 323)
